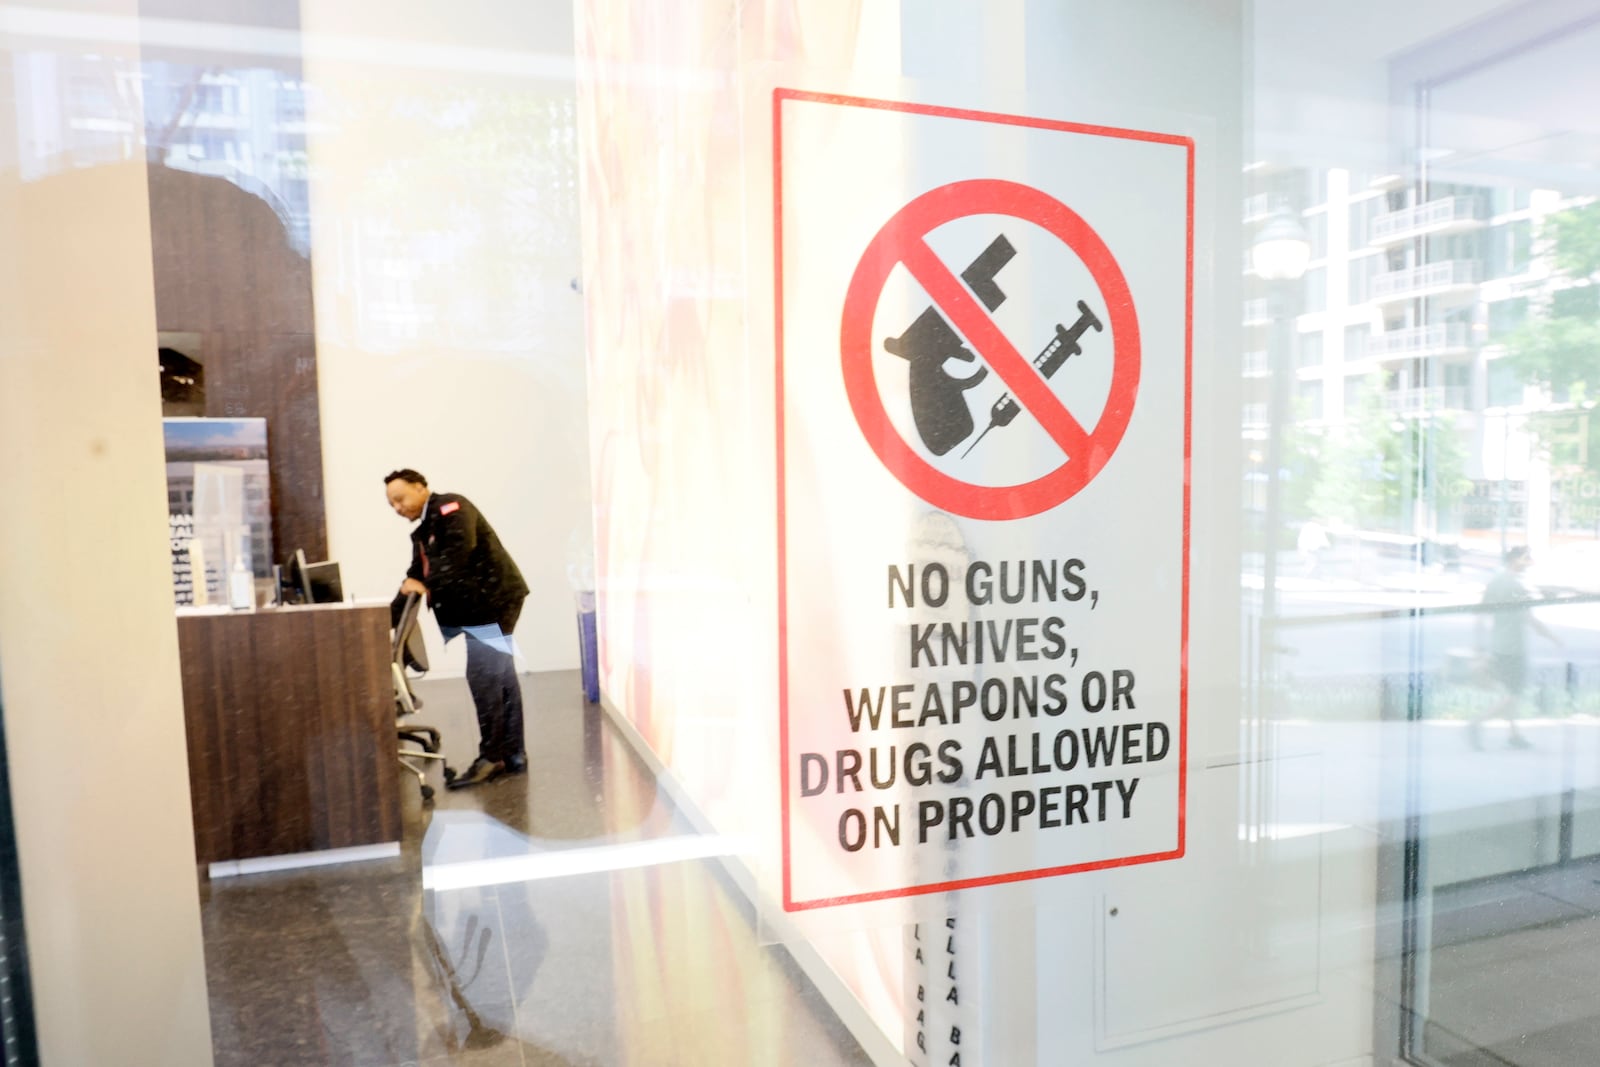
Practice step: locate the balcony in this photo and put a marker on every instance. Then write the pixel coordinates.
(1440, 339)
(1450, 278)
(1426, 401)
(1260, 207)
(1451, 214)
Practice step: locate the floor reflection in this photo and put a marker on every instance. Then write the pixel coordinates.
(1513, 970)
(582, 923)
(572, 917)
(1508, 941)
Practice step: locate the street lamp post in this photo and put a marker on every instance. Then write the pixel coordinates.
(1505, 485)
(1279, 257)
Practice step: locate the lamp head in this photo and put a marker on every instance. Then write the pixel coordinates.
(1281, 251)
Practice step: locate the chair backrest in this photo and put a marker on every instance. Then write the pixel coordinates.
(408, 635)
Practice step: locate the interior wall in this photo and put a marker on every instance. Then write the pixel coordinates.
(88, 642)
(675, 135)
(445, 265)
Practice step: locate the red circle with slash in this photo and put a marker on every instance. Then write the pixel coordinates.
(903, 240)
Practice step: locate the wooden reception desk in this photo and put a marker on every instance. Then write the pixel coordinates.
(290, 716)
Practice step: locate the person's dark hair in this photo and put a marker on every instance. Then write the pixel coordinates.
(1516, 552)
(405, 474)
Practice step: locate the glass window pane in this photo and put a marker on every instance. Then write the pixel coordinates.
(861, 692)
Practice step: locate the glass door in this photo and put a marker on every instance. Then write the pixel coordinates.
(1498, 236)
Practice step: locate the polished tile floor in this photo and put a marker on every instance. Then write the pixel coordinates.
(560, 929)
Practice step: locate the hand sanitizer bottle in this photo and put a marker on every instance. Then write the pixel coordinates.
(241, 587)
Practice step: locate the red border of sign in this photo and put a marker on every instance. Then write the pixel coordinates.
(1186, 143)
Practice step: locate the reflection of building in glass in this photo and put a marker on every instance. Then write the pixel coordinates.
(247, 125)
(83, 110)
(497, 167)
(257, 506)
(1402, 325)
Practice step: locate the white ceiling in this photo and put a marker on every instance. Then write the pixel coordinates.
(1323, 79)
(1530, 119)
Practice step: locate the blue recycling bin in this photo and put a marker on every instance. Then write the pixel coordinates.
(589, 646)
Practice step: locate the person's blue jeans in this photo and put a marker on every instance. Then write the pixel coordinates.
(492, 680)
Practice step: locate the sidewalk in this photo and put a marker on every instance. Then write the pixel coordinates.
(1382, 591)
(1400, 582)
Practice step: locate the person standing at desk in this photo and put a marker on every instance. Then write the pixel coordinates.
(473, 587)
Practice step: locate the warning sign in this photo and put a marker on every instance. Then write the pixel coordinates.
(983, 382)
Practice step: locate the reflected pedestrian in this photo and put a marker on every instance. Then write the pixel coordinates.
(1312, 543)
(1506, 603)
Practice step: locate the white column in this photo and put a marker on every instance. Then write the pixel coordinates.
(89, 676)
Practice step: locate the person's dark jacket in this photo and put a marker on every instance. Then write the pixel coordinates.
(471, 578)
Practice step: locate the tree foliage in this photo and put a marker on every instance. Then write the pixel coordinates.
(1575, 237)
(1560, 349)
(1302, 462)
(1560, 353)
(1377, 464)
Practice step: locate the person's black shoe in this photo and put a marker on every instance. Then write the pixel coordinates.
(517, 764)
(481, 771)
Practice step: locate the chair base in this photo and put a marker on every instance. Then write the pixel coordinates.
(427, 738)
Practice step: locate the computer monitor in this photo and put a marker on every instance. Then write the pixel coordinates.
(322, 582)
(292, 585)
(309, 583)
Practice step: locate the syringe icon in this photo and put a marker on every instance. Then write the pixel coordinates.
(1048, 361)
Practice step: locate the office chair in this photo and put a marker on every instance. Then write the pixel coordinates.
(408, 649)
